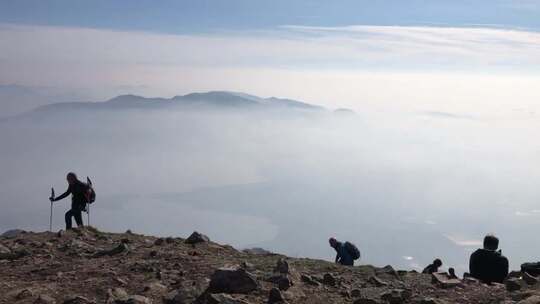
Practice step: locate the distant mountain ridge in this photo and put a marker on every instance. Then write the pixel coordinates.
(212, 99)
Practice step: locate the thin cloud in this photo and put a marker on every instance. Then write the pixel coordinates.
(381, 65)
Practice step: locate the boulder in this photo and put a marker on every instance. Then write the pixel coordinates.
(377, 282)
(275, 296)
(136, 299)
(430, 301)
(13, 233)
(78, 300)
(257, 251)
(396, 296)
(356, 293)
(44, 299)
(282, 266)
(531, 300)
(24, 294)
(196, 238)
(309, 280)
(116, 294)
(470, 280)
(247, 266)
(514, 284)
(181, 296)
(443, 280)
(220, 299)
(159, 242)
(284, 283)
(4, 249)
(529, 279)
(329, 279)
(120, 248)
(227, 280)
(514, 274)
(366, 301)
(78, 246)
(155, 287)
(7, 254)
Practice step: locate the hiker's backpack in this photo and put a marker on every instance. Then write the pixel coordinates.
(90, 193)
(531, 268)
(352, 250)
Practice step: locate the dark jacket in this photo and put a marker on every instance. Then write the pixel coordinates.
(342, 255)
(488, 266)
(431, 268)
(79, 192)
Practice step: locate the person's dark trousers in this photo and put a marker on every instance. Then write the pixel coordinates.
(77, 214)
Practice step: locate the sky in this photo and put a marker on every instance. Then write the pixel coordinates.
(456, 56)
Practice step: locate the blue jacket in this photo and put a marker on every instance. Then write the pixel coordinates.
(343, 256)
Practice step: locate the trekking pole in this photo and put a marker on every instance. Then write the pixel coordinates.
(89, 183)
(50, 217)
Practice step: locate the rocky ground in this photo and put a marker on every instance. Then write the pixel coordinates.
(89, 266)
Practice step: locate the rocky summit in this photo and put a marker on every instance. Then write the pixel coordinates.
(86, 266)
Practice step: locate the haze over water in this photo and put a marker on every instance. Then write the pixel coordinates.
(404, 187)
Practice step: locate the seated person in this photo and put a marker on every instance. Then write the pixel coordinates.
(434, 267)
(452, 273)
(489, 265)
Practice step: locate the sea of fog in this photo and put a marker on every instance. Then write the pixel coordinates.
(405, 187)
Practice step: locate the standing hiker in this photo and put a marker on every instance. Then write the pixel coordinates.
(346, 252)
(79, 198)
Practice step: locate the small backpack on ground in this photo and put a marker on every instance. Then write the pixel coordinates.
(352, 250)
(531, 268)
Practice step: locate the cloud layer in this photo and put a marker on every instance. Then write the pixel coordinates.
(328, 65)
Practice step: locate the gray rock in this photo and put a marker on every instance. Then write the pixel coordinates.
(377, 282)
(181, 296)
(78, 300)
(531, 300)
(257, 251)
(44, 299)
(24, 293)
(514, 284)
(443, 280)
(529, 279)
(396, 296)
(282, 266)
(196, 238)
(116, 294)
(159, 242)
(470, 280)
(429, 301)
(13, 233)
(222, 299)
(227, 280)
(120, 248)
(356, 293)
(514, 274)
(4, 249)
(275, 296)
(136, 299)
(284, 283)
(366, 301)
(309, 280)
(247, 266)
(155, 287)
(328, 279)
